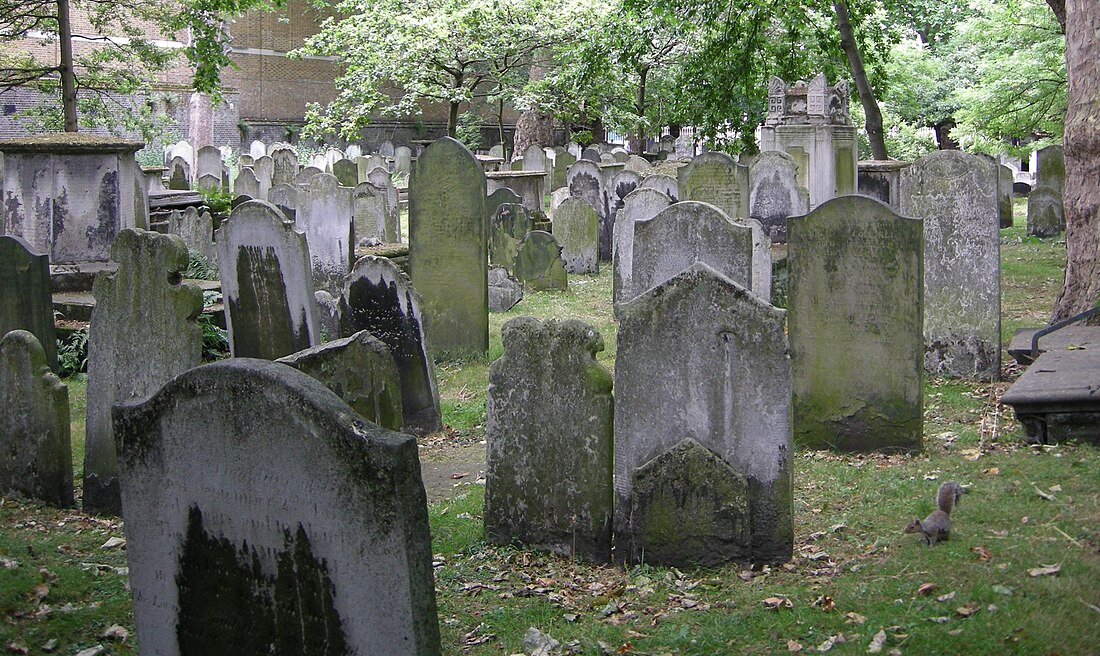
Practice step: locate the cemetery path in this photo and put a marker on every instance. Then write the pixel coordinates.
(447, 472)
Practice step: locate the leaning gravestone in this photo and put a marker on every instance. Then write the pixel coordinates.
(774, 194)
(857, 346)
(585, 181)
(259, 541)
(538, 264)
(36, 457)
(702, 433)
(715, 178)
(548, 440)
(379, 298)
(955, 194)
(144, 332)
(284, 166)
(26, 301)
(448, 258)
(270, 310)
(666, 184)
(247, 184)
(326, 217)
(504, 290)
(369, 206)
(507, 228)
(346, 172)
(1045, 213)
(361, 371)
(640, 205)
(380, 178)
(577, 228)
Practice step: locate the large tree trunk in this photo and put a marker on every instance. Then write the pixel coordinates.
(532, 128)
(943, 135)
(1059, 9)
(859, 75)
(452, 120)
(1081, 289)
(68, 75)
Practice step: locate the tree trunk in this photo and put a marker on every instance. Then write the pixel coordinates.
(1081, 289)
(68, 76)
(452, 120)
(637, 142)
(943, 135)
(500, 127)
(859, 75)
(1059, 9)
(532, 128)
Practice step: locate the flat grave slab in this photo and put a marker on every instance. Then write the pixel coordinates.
(1058, 397)
(1086, 337)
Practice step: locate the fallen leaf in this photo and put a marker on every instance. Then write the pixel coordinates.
(991, 471)
(828, 644)
(939, 620)
(825, 602)
(458, 475)
(8, 563)
(50, 645)
(1055, 488)
(983, 553)
(854, 618)
(1044, 495)
(40, 592)
(1002, 589)
(926, 589)
(111, 544)
(115, 632)
(625, 648)
(745, 575)
(98, 650)
(967, 610)
(18, 648)
(837, 528)
(1045, 570)
(1025, 519)
(947, 597)
(955, 632)
(777, 602)
(793, 647)
(570, 617)
(877, 642)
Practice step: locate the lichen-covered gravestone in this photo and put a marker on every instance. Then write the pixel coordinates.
(665, 184)
(641, 204)
(26, 302)
(585, 181)
(548, 440)
(448, 259)
(538, 263)
(1045, 213)
(197, 232)
(504, 290)
(264, 516)
(1050, 168)
(270, 310)
(955, 194)
(774, 194)
(380, 178)
(369, 206)
(379, 298)
(508, 225)
(346, 172)
(857, 346)
(35, 451)
(144, 332)
(619, 186)
(1004, 185)
(284, 197)
(326, 217)
(284, 166)
(179, 174)
(715, 178)
(702, 432)
(247, 184)
(577, 228)
(361, 371)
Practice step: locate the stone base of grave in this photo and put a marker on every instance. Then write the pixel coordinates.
(1058, 397)
(1083, 337)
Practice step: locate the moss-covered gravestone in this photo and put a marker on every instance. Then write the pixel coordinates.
(538, 264)
(26, 301)
(1004, 186)
(326, 217)
(774, 194)
(702, 432)
(508, 225)
(665, 184)
(577, 228)
(1045, 213)
(715, 178)
(562, 161)
(284, 165)
(264, 516)
(379, 298)
(179, 174)
(1050, 168)
(619, 186)
(955, 194)
(857, 347)
(36, 457)
(247, 184)
(346, 172)
(144, 332)
(548, 437)
(642, 204)
(585, 181)
(197, 232)
(270, 309)
(448, 237)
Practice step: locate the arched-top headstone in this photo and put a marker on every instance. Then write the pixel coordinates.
(284, 167)
(642, 204)
(261, 541)
(352, 151)
(26, 299)
(562, 161)
(197, 231)
(402, 160)
(1045, 212)
(284, 197)
(715, 178)
(326, 217)
(637, 164)
(208, 161)
(585, 180)
(665, 184)
(179, 174)
(369, 205)
(257, 149)
(774, 194)
(307, 174)
(386, 149)
(380, 177)
(590, 154)
(246, 184)
(577, 228)
(507, 228)
(346, 172)
(1050, 168)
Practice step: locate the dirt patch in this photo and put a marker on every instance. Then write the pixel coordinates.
(447, 471)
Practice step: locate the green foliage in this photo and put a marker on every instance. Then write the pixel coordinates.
(220, 203)
(198, 268)
(215, 340)
(469, 130)
(72, 353)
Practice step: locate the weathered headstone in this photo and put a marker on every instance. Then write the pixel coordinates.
(1045, 213)
(208, 182)
(507, 228)
(448, 258)
(257, 149)
(585, 181)
(955, 194)
(1050, 168)
(637, 164)
(774, 194)
(538, 264)
(642, 204)
(144, 332)
(361, 371)
(197, 231)
(562, 162)
(270, 310)
(497, 151)
(208, 161)
(534, 159)
(402, 161)
(254, 540)
(179, 174)
(548, 440)
(1004, 180)
(590, 154)
(857, 345)
(386, 149)
(499, 197)
(504, 290)
(379, 298)
(702, 432)
(285, 197)
(715, 178)
(284, 166)
(247, 184)
(666, 184)
(307, 174)
(619, 186)
(326, 216)
(26, 301)
(369, 205)
(577, 228)
(35, 450)
(346, 172)
(380, 178)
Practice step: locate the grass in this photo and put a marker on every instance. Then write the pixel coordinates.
(854, 573)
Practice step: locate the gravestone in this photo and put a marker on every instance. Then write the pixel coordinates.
(666, 184)
(379, 298)
(857, 347)
(197, 232)
(361, 371)
(504, 290)
(270, 309)
(1045, 213)
(332, 155)
(585, 181)
(247, 184)
(702, 433)
(369, 204)
(376, 161)
(499, 197)
(261, 541)
(774, 195)
(257, 149)
(507, 228)
(284, 166)
(955, 194)
(307, 174)
(637, 164)
(538, 264)
(548, 438)
(591, 154)
(284, 197)
(264, 168)
(448, 258)
(1004, 179)
(144, 332)
(212, 182)
(328, 314)
(352, 151)
(562, 162)
(245, 161)
(346, 172)
(640, 205)
(380, 178)
(208, 162)
(179, 174)
(402, 161)
(497, 151)
(26, 297)
(36, 457)
(326, 216)
(386, 149)
(619, 185)
(1050, 168)
(534, 159)
(715, 178)
(577, 228)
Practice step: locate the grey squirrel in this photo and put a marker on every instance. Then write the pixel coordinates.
(937, 526)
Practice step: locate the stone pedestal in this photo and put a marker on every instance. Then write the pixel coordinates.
(878, 179)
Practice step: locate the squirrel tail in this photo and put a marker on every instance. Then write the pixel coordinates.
(948, 496)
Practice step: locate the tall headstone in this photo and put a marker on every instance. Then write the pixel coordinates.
(619, 186)
(640, 205)
(247, 184)
(549, 440)
(857, 348)
(1050, 168)
(448, 258)
(585, 181)
(379, 298)
(144, 332)
(326, 216)
(346, 172)
(534, 159)
(702, 432)
(402, 161)
(260, 541)
(577, 228)
(507, 228)
(774, 195)
(26, 299)
(369, 206)
(197, 231)
(562, 162)
(36, 457)
(955, 194)
(665, 184)
(715, 178)
(179, 174)
(1004, 186)
(380, 178)
(284, 166)
(538, 264)
(270, 310)
(1045, 213)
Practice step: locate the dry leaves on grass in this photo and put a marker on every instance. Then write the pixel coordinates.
(1045, 570)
